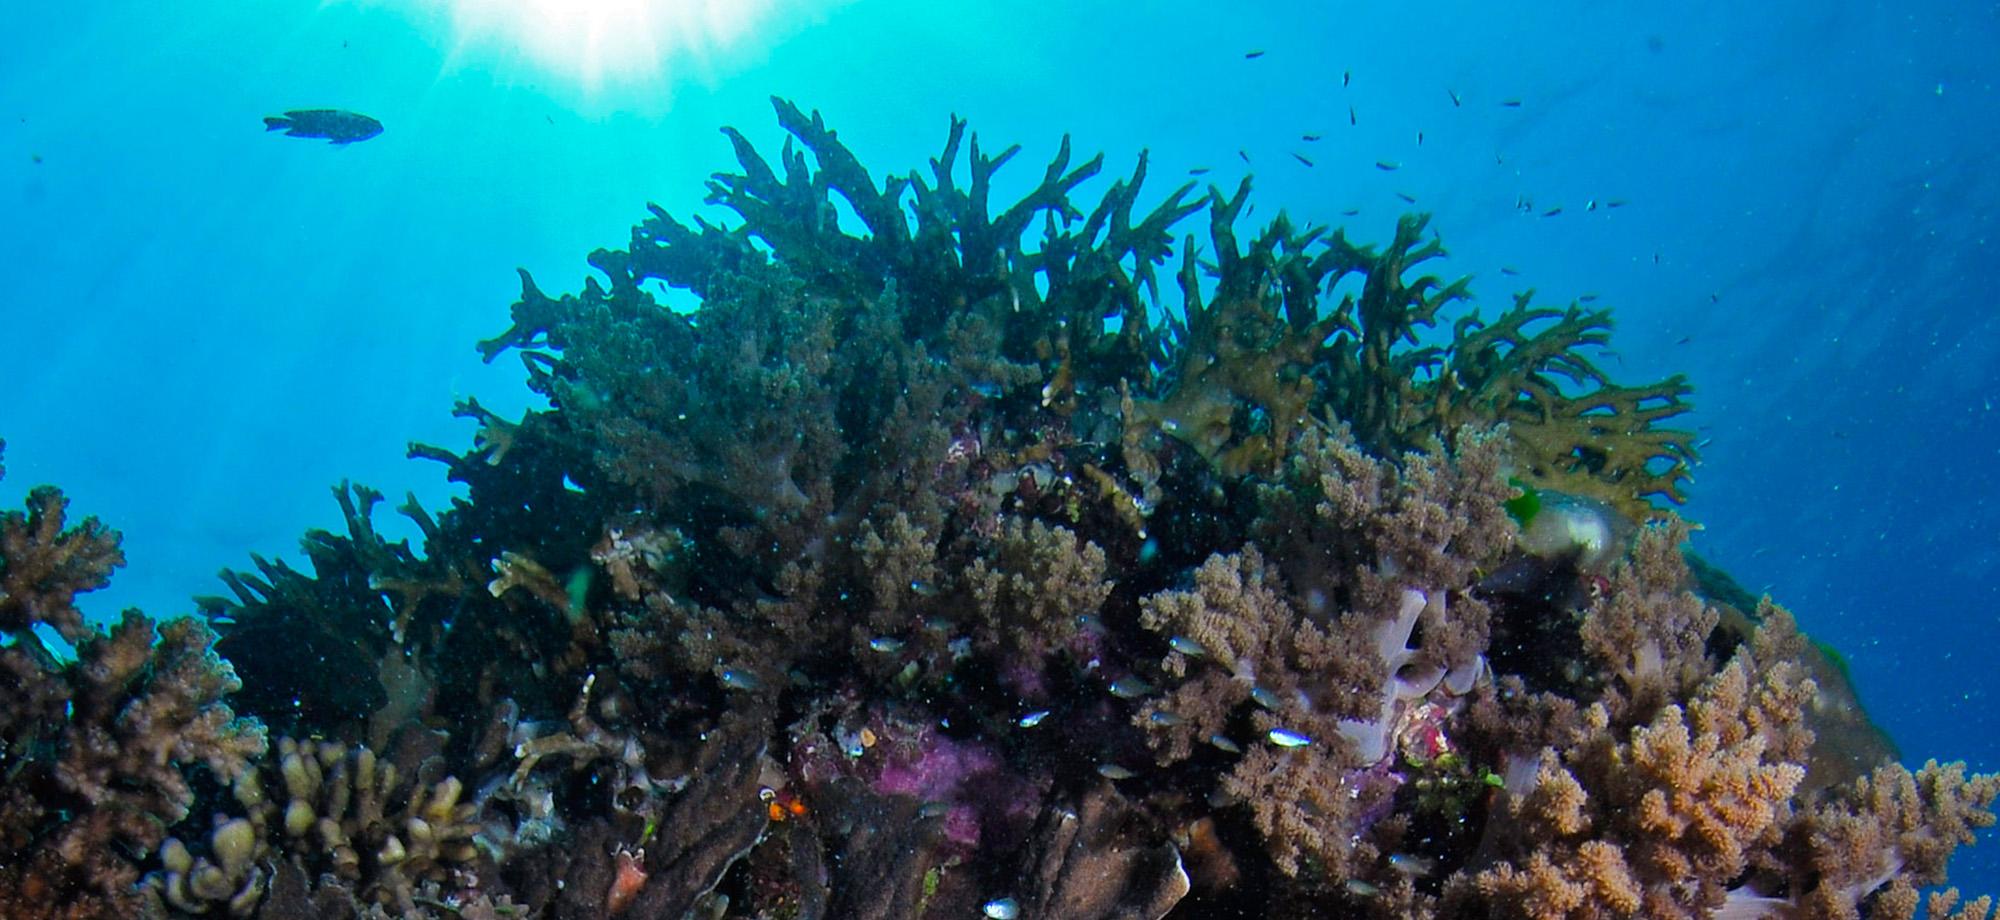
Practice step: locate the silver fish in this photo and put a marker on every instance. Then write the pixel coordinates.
(1286, 738)
(1127, 688)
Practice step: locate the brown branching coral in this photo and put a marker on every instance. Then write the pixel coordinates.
(1036, 586)
(44, 564)
(1573, 430)
(1689, 800)
(98, 752)
(1235, 636)
(1649, 631)
(1890, 831)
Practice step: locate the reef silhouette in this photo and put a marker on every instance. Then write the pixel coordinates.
(936, 565)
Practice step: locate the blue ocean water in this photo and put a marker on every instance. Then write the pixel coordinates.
(205, 325)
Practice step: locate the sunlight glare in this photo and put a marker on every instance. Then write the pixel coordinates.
(599, 45)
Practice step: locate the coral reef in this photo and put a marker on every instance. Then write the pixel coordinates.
(935, 564)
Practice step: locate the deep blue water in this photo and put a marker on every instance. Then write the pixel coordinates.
(205, 326)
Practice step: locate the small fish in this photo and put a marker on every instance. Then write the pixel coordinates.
(1033, 719)
(1350, 212)
(887, 645)
(1413, 866)
(1361, 889)
(1187, 646)
(1309, 138)
(1346, 77)
(1129, 688)
(1420, 138)
(551, 119)
(1286, 738)
(934, 809)
(1510, 103)
(1656, 258)
(1684, 340)
(1001, 909)
(740, 680)
(1588, 298)
(1198, 171)
(1508, 271)
(1615, 203)
(1253, 55)
(1164, 719)
(1558, 209)
(1245, 154)
(1407, 197)
(1714, 298)
(1302, 159)
(1590, 205)
(1704, 442)
(1455, 101)
(1262, 696)
(1388, 165)
(922, 588)
(1222, 743)
(335, 125)
(1112, 771)
(1350, 116)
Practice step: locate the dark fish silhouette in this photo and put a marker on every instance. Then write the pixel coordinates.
(336, 126)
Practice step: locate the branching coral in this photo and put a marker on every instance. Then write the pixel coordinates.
(44, 565)
(98, 752)
(890, 579)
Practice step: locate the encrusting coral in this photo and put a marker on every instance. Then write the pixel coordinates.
(934, 565)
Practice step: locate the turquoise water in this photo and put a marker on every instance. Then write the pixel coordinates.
(207, 325)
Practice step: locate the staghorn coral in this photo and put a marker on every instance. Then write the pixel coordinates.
(1573, 430)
